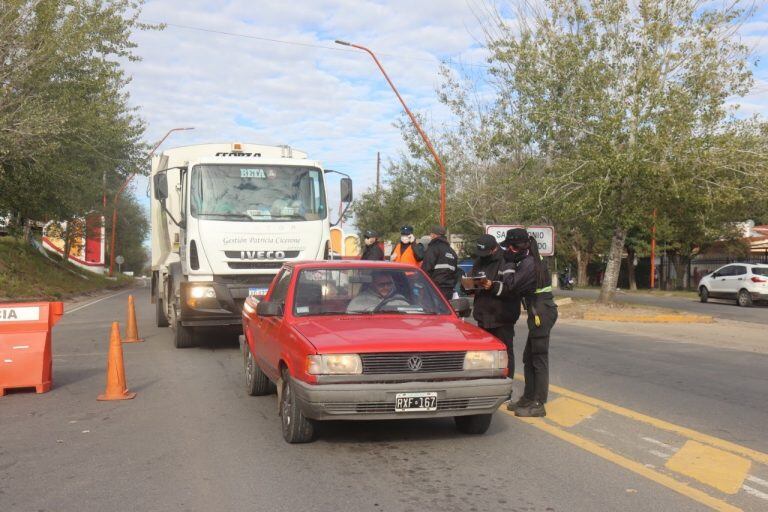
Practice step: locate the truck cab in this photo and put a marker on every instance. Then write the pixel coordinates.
(225, 218)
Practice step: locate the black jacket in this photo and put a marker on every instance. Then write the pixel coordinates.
(441, 263)
(522, 282)
(491, 309)
(372, 252)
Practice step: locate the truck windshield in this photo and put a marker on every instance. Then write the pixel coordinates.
(257, 193)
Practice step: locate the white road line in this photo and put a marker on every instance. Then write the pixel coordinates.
(755, 492)
(659, 443)
(660, 454)
(756, 480)
(94, 302)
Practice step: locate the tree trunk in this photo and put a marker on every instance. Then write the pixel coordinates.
(681, 265)
(631, 268)
(611, 277)
(27, 230)
(67, 240)
(582, 260)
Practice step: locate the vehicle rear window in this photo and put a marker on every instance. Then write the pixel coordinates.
(760, 271)
(355, 291)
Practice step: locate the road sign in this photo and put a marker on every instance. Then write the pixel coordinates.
(544, 235)
(119, 260)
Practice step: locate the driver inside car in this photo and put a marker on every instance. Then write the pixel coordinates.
(379, 292)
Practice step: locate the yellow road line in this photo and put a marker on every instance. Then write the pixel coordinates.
(663, 425)
(568, 412)
(636, 467)
(717, 468)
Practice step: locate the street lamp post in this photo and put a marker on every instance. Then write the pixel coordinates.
(415, 123)
(117, 198)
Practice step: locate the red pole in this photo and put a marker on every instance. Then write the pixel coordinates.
(415, 123)
(117, 198)
(653, 251)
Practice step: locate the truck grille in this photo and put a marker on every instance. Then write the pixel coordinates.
(449, 404)
(412, 362)
(243, 265)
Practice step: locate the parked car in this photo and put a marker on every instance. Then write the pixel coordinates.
(363, 340)
(744, 282)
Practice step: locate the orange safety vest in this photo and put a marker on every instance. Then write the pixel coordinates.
(405, 257)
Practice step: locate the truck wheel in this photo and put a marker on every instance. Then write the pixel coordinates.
(703, 294)
(297, 428)
(162, 320)
(256, 381)
(183, 337)
(475, 424)
(744, 299)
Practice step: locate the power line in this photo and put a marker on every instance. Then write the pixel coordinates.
(297, 43)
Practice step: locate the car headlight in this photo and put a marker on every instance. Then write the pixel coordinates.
(334, 364)
(485, 360)
(202, 292)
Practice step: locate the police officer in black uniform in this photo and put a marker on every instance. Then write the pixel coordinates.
(441, 262)
(531, 282)
(372, 250)
(494, 313)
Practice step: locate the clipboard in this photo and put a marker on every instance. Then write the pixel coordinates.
(471, 283)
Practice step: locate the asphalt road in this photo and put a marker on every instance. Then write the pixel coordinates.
(726, 309)
(192, 440)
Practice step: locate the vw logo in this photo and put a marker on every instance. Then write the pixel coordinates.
(414, 363)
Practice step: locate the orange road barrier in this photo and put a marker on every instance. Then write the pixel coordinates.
(25, 344)
(116, 389)
(131, 331)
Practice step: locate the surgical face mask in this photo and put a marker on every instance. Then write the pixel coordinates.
(370, 241)
(405, 239)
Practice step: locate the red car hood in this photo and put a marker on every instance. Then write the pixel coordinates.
(360, 334)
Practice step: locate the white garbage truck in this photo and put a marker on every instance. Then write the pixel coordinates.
(225, 217)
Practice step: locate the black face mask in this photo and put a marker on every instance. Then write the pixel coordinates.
(515, 257)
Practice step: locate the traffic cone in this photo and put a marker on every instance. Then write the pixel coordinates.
(116, 389)
(131, 331)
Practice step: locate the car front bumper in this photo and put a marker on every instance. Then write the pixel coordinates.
(376, 401)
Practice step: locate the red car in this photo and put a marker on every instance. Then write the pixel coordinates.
(360, 340)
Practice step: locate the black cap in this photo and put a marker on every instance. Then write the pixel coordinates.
(515, 236)
(369, 233)
(406, 230)
(485, 244)
(438, 230)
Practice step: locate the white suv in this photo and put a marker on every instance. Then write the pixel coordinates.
(741, 281)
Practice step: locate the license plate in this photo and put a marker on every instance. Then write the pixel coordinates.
(409, 402)
(257, 292)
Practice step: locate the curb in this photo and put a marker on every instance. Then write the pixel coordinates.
(656, 319)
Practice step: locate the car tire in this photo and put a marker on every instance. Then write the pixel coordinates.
(296, 427)
(703, 294)
(744, 299)
(475, 424)
(256, 381)
(162, 319)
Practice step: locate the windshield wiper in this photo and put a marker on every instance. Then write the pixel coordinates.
(228, 215)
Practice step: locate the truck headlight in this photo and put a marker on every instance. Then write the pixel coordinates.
(334, 364)
(485, 360)
(202, 292)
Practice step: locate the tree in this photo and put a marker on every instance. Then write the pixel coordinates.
(614, 95)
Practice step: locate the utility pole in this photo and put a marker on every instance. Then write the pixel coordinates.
(378, 179)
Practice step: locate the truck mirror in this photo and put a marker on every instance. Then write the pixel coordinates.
(269, 309)
(160, 182)
(346, 190)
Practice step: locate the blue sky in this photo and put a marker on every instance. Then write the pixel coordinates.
(317, 96)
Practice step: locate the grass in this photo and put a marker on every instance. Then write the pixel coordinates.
(579, 307)
(25, 274)
(688, 294)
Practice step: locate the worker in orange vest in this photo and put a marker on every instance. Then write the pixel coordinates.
(407, 250)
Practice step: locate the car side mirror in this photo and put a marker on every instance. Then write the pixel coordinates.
(715, 274)
(269, 309)
(346, 190)
(160, 182)
(461, 306)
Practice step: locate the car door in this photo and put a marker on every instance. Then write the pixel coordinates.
(268, 342)
(735, 280)
(717, 284)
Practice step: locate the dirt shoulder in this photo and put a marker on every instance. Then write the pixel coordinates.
(589, 309)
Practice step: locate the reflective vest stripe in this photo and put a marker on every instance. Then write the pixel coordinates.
(444, 265)
(544, 290)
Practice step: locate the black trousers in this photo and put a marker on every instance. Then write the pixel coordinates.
(506, 334)
(447, 292)
(536, 353)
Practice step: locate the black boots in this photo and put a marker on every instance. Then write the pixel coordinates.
(521, 402)
(531, 409)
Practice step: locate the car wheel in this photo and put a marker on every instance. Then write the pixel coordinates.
(162, 320)
(256, 381)
(475, 424)
(297, 428)
(744, 299)
(703, 294)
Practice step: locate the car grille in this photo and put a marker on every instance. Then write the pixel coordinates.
(412, 362)
(448, 404)
(252, 265)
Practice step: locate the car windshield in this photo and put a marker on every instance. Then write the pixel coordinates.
(257, 193)
(760, 271)
(364, 291)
